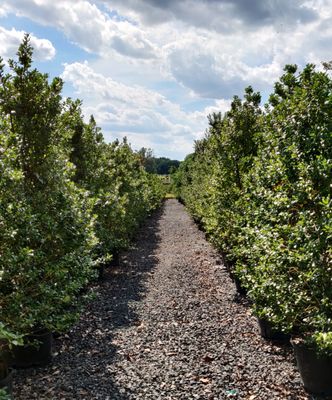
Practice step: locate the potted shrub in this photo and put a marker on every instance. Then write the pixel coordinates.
(36, 350)
(290, 223)
(47, 227)
(111, 173)
(51, 206)
(5, 373)
(262, 183)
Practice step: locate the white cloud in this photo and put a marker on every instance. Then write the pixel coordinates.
(218, 65)
(223, 16)
(3, 11)
(87, 26)
(144, 116)
(192, 51)
(86, 81)
(217, 48)
(213, 49)
(11, 39)
(212, 68)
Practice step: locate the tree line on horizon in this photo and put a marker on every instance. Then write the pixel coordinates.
(157, 165)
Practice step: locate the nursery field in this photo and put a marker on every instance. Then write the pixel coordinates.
(167, 323)
(168, 317)
(69, 202)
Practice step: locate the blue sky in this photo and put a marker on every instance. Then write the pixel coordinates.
(152, 70)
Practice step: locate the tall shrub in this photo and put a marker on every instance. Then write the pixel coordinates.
(47, 227)
(261, 184)
(289, 194)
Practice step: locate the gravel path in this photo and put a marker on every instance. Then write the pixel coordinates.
(165, 325)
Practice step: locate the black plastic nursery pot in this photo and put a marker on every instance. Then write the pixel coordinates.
(239, 288)
(7, 382)
(115, 259)
(315, 371)
(268, 331)
(34, 354)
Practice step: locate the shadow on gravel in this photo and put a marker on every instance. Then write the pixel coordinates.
(82, 364)
(127, 281)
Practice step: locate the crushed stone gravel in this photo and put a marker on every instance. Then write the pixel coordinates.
(166, 324)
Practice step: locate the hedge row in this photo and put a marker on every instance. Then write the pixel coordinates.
(68, 200)
(260, 183)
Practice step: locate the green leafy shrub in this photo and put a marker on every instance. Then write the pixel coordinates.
(260, 183)
(123, 192)
(68, 200)
(47, 228)
(290, 190)
(210, 181)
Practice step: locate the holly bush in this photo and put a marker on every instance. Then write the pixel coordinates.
(47, 224)
(289, 198)
(260, 182)
(67, 199)
(123, 193)
(210, 181)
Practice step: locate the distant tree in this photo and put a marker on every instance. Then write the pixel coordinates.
(156, 165)
(147, 160)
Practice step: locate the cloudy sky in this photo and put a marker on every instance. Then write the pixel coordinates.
(152, 70)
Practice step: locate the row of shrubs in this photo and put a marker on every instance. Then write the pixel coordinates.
(68, 200)
(260, 184)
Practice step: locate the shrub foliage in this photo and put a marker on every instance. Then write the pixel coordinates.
(260, 184)
(68, 200)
